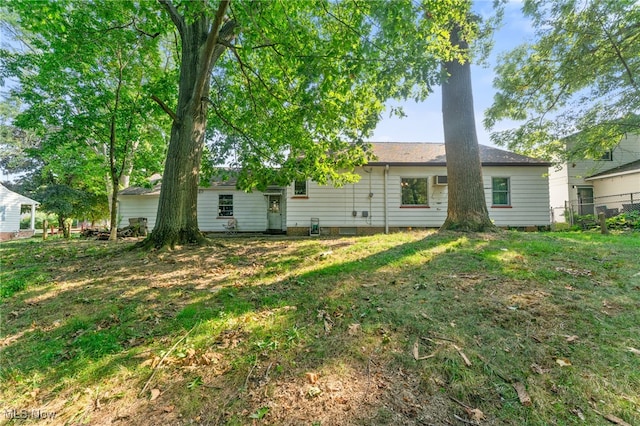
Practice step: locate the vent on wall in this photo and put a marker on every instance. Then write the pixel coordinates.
(440, 180)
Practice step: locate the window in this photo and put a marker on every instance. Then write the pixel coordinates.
(500, 189)
(300, 188)
(414, 191)
(607, 156)
(225, 205)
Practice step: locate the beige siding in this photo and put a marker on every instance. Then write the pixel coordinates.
(563, 184)
(618, 190)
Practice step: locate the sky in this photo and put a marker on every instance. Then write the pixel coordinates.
(424, 120)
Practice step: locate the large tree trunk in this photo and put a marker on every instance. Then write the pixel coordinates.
(467, 208)
(177, 218)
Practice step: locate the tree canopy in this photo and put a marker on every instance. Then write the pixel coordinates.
(279, 90)
(85, 74)
(579, 77)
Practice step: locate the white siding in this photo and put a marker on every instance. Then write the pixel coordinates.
(529, 191)
(334, 206)
(10, 205)
(9, 217)
(618, 189)
(138, 206)
(249, 209)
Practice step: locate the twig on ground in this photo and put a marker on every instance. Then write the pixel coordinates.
(165, 357)
(246, 381)
(466, 360)
(459, 402)
(433, 336)
(613, 419)
(464, 420)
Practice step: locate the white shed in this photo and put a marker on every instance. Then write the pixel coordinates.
(10, 206)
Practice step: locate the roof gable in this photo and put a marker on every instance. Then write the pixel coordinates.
(7, 197)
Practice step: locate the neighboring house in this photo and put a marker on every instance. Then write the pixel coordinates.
(609, 184)
(10, 205)
(404, 187)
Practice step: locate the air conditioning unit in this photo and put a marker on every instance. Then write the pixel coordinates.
(440, 180)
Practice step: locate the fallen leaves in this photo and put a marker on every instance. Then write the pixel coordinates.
(571, 339)
(523, 395)
(154, 394)
(354, 329)
(326, 318)
(563, 362)
(539, 370)
(575, 272)
(312, 377)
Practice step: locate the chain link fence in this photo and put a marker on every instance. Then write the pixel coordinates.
(610, 205)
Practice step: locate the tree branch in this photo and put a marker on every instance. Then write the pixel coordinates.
(166, 109)
(177, 19)
(209, 48)
(241, 132)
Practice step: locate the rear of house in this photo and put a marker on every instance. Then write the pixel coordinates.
(404, 187)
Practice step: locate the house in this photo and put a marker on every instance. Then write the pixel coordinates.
(609, 184)
(10, 206)
(404, 187)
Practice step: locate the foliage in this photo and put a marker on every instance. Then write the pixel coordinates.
(84, 75)
(579, 77)
(623, 221)
(41, 216)
(304, 84)
(628, 220)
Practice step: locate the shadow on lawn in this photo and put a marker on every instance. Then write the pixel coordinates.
(271, 313)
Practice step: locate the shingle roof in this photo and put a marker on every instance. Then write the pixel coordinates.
(394, 153)
(229, 182)
(433, 154)
(629, 167)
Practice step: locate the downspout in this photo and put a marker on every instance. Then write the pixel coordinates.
(386, 207)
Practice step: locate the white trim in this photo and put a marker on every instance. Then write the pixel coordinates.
(627, 172)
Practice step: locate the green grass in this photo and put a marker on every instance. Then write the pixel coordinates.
(238, 326)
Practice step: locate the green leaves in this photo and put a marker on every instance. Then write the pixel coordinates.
(582, 75)
(305, 82)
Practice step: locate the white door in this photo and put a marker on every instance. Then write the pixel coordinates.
(274, 213)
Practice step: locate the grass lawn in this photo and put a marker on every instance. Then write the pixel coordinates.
(415, 328)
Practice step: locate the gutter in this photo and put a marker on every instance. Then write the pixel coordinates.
(610, 175)
(386, 207)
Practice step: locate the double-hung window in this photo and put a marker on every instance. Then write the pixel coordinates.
(300, 188)
(415, 192)
(225, 205)
(501, 191)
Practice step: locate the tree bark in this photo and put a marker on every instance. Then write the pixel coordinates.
(467, 208)
(177, 217)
